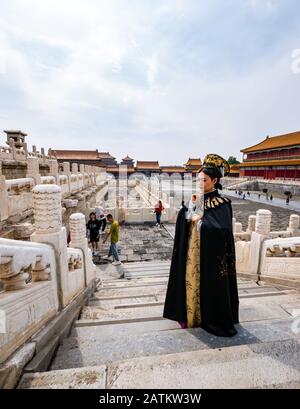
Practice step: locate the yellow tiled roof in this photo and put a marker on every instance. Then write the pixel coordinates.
(193, 162)
(273, 142)
(147, 164)
(75, 154)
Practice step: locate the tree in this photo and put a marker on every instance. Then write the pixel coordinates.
(232, 160)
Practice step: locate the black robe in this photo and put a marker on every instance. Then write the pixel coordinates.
(219, 302)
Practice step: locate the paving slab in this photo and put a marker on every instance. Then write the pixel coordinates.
(80, 378)
(76, 352)
(248, 366)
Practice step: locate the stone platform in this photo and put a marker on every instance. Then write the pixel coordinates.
(122, 341)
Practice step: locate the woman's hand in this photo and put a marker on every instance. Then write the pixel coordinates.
(196, 218)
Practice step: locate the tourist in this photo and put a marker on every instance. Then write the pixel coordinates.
(101, 217)
(158, 210)
(202, 287)
(259, 195)
(271, 197)
(114, 238)
(287, 200)
(93, 228)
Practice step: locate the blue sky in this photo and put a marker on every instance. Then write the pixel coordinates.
(158, 80)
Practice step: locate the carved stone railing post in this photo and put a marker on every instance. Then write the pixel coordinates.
(33, 170)
(4, 208)
(238, 227)
(251, 223)
(263, 222)
(294, 224)
(66, 172)
(43, 154)
(53, 169)
(262, 231)
(75, 168)
(78, 240)
(49, 229)
(233, 224)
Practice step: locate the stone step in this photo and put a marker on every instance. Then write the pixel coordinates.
(159, 291)
(106, 348)
(131, 291)
(250, 309)
(116, 302)
(258, 365)
(146, 280)
(158, 273)
(142, 282)
(123, 329)
(139, 300)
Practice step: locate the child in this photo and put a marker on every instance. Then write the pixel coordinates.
(93, 226)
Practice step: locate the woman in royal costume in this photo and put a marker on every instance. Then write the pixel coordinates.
(202, 288)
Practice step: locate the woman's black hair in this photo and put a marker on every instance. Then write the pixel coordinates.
(213, 173)
(92, 213)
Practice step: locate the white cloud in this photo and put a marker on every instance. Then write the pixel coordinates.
(151, 79)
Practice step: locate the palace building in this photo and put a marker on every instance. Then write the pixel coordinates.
(108, 162)
(86, 157)
(274, 157)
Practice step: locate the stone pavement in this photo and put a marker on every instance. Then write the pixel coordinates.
(142, 242)
(122, 341)
(293, 206)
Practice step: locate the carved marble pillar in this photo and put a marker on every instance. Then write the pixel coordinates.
(77, 224)
(49, 229)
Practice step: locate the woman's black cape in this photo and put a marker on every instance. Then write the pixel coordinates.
(219, 301)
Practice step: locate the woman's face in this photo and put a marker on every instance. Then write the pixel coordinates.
(93, 217)
(206, 183)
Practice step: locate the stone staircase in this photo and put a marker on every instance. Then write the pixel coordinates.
(121, 340)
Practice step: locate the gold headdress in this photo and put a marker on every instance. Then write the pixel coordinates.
(213, 160)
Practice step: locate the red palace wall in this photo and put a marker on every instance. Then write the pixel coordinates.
(271, 173)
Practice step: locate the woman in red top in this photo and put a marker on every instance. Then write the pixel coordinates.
(158, 210)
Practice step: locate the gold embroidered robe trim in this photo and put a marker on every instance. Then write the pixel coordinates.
(192, 278)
